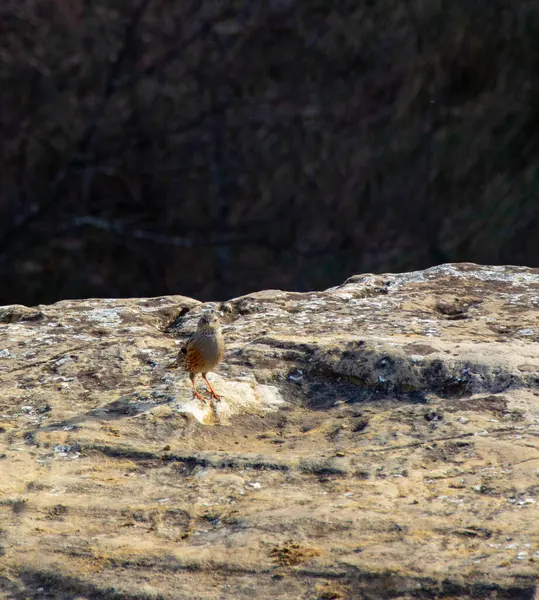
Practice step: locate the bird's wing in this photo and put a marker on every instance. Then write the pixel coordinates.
(182, 354)
(186, 345)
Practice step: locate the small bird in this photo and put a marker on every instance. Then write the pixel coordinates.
(203, 351)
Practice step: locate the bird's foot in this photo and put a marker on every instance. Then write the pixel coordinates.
(212, 391)
(197, 395)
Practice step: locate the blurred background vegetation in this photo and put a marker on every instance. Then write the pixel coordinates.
(216, 147)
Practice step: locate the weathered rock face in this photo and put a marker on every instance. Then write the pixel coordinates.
(377, 440)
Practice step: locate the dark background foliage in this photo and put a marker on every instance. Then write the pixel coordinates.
(215, 147)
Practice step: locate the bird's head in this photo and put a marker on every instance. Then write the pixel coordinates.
(209, 322)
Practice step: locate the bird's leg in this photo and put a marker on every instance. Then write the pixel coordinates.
(213, 393)
(195, 392)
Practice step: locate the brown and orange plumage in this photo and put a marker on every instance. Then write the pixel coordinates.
(203, 351)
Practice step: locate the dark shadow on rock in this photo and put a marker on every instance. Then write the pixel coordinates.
(322, 393)
(393, 585)
(128, 405)
(379, 370)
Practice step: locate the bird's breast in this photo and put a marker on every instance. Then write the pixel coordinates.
(212, 348)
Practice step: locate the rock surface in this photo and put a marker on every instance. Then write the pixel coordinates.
(375, 440)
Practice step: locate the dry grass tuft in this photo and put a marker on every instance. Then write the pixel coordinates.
(291, 553)
(330, 591)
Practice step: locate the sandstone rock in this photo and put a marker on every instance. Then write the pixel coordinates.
(378, 439)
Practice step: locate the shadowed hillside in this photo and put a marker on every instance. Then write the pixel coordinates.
(213, 148)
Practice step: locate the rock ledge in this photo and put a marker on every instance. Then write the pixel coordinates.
(378, 439)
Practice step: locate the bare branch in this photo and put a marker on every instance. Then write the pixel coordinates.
(113, 75)
(124, 229)
(171, 53)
